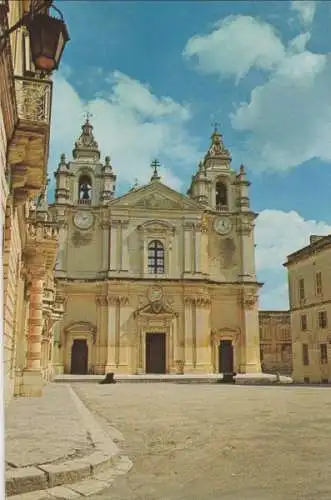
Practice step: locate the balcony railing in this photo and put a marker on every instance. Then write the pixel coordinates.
(83, 201)
(34, 100)
(222, 208)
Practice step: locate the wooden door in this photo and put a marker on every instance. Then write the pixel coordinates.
(225, 356)
(79, 357)
(155, 353)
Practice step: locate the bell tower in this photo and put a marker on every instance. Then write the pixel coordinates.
(212, 183)
(85, 180)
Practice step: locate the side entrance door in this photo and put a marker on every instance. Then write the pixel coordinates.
(79, 357)
(225, 356)
(155, 353)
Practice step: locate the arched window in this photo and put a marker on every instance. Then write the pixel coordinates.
(84, 189)
(221, 195)
(155, 257)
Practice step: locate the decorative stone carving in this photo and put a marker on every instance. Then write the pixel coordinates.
(80, 239)
(155, 294)
(250, 300)
(156, 201)
(203, 225)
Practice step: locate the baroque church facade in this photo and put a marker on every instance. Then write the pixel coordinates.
(155, 281)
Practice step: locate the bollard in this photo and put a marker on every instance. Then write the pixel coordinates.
(109, 379)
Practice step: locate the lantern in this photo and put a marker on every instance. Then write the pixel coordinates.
(48, 36)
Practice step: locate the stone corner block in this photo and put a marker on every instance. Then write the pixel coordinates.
(67, 472)
(33, 495)
(99, 461)
(89, 487)
(63, 493)
(24, 480)
(123, 466)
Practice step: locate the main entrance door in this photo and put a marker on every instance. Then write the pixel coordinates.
(225, 356)
(155, 353)
(79, 357)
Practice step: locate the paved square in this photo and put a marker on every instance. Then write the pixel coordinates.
(211, 442)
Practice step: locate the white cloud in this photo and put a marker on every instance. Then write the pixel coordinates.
(287, 119)
(278, 234)
(130, 124)
(305, 10)
(289, 116)
(235, 46)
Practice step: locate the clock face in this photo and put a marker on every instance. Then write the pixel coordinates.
(83, 220)
(223, 225)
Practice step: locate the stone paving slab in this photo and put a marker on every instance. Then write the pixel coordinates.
(42, 430)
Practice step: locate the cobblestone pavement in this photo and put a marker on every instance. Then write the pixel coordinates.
(212, 442)
(42, 430)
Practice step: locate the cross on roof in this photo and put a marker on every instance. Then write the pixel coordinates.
(215, 125)
(87, 115)
(155, 165)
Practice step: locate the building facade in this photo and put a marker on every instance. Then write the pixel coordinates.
(155, 281)
(29, 238)
(276, 342)
(309, 277)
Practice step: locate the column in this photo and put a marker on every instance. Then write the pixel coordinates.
(188, 334)
(111, 337)
(188, 256)
(125, 247)
(32, 375)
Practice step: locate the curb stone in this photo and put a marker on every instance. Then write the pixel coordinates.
(89, 486)
(30, 480)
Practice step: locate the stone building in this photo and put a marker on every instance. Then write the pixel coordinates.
(29, 240)
(275, 342)
(155, 281)
(309, 277)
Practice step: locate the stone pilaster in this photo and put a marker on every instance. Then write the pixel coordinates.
(188, 248)
(101, 347)
(114, 246)
(112, 338)
(245, 227)
(125, 246)
(202, 329)
(105, 245)
(251, 361)
(189, 334)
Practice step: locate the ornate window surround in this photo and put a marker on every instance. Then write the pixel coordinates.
(161, 231)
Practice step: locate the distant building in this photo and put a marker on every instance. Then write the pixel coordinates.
(275, 342)
(309, 276)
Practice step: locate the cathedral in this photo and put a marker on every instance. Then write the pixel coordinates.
(155, 281)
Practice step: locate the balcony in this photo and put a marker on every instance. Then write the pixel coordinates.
(42, 238)
(28, 148)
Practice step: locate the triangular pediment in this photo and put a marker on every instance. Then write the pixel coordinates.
(156, 196)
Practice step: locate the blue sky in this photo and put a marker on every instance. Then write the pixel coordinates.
(155, 75)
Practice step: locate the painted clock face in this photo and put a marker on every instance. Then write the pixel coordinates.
(83, 220)
(223, 225)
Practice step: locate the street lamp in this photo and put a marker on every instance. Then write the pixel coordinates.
(48, 36)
